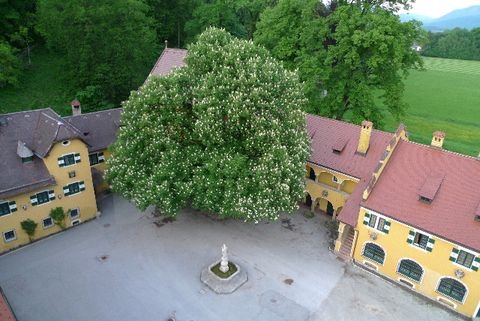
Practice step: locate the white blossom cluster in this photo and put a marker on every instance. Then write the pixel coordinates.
(225, 134)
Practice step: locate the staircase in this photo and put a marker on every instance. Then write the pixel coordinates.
(346, 247)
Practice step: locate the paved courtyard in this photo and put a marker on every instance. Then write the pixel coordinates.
(123, 266)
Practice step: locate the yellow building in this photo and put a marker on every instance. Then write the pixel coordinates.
(47, 162)
(406, 211)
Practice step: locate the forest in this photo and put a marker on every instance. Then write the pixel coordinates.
(351, 55)
(454, 44)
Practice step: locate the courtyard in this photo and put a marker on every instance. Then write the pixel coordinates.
(129, 265)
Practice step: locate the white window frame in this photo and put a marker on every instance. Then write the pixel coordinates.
(372, 260)
(446, 296)
(10, 240)
(76, 222)
(78, 213)
(49, 197)
(75, 159)
(418, 247)
(406, 277)
(49, 226)
(9, 208)
(469, 252)
(375, 227)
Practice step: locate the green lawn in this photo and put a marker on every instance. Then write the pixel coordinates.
(445, 97)
(39, 86)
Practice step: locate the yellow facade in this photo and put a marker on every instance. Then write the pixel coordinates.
(84, 200)
(325, 186)
(434, 260)
(101, 166)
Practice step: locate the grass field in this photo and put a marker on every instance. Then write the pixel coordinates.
(39, 86)
(444, 97)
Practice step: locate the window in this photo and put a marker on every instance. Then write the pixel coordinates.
(71, 174)
(9, 236)
(410, 269)
(47, 222)
(374, 252)
(452, 288)
(465, 258)
(377, 222)
(335, 179)
(312, 175)
(27, 159)
(421, 240)
(42, 197)
(69, 159)
(74, 188)
(74, 213)
(96, 158)
(7, 208)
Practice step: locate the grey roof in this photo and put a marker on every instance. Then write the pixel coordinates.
(170, 59)
(98, 129)
(39, 130)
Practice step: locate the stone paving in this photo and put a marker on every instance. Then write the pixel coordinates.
(129, 265)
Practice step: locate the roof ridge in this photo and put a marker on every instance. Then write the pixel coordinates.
(443, 150)
(26, 111)
(348, 123)
(92, 113)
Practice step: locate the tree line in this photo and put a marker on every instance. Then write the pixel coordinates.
(352, 55)
(455, 44)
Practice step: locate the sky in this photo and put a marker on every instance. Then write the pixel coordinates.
(438, 8)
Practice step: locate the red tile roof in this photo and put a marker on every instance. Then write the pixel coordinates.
(170, 59)
(451, 214)
(327, 133)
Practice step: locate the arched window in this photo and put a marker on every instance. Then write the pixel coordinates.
(374, 252)
(312, 175)
(452, 288)
(410, 269)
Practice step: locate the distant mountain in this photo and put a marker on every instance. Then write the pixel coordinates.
(467, 18)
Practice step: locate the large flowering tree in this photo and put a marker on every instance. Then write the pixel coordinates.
(225, 134)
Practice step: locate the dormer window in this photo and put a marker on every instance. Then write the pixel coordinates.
(425, 200)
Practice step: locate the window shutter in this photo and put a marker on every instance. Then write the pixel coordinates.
(454, 254)
(61, 161)
(81, 185)
(411, 237)
(101, 158)
(33, 200)
(77, 158)
(51, 194)
(476, 264)
(13, 206)
(430, 244)
(66, 190)
(386, 227)
(366, 219)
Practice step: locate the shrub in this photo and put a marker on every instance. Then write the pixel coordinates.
(29, 227)
(58, 216)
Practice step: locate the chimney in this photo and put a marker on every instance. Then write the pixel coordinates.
(437, 139)
(76, 108)
(364, 140)
(166, 44)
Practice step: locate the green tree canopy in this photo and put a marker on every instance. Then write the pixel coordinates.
(108, 45)
(225, 134)
(349, 53)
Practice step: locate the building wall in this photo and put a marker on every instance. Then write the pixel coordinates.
(324, 189)
(102, 167)
(84, 200)
(435, 263)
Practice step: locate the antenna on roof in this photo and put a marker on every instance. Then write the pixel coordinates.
(166, 44)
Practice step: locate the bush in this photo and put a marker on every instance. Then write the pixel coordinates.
(58, 216)
(29, 227)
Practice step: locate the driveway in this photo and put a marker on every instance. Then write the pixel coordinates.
(123, 266)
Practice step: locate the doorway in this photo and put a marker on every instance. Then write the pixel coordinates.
(330, 209)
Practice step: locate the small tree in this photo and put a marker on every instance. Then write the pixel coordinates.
(58, 216)
(29, 227)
